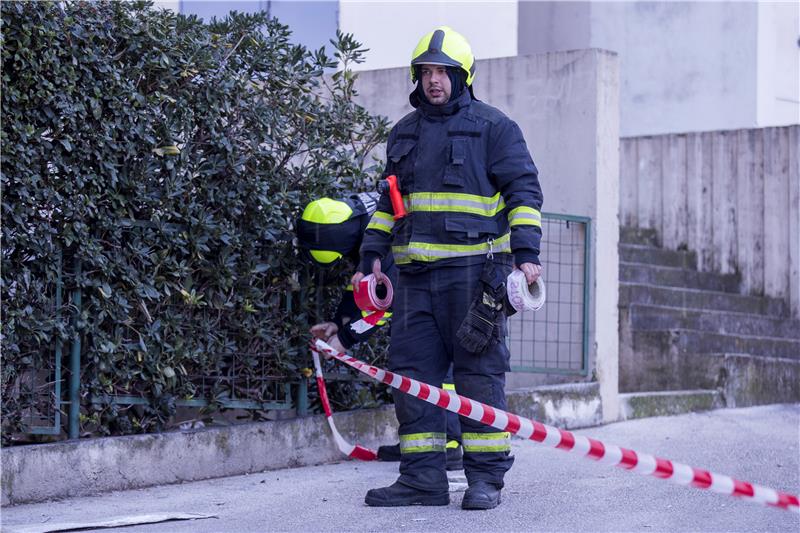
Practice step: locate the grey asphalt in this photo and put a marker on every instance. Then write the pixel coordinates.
(546, 490)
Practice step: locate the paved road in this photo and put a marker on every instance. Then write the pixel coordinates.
(547, 490)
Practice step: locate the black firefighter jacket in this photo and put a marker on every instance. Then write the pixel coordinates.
(468, 184)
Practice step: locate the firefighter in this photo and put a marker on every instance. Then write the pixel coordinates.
(329, 231)
(472, 196)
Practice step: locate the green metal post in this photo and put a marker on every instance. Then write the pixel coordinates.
(587, 271)
(75, 359)
(59, 301)
(302, 397)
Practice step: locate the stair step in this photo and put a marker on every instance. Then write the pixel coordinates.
(746, 380)
(689, 341)
(654, 318)
(637, 253)
(643, 293)
(666, 403)
(643, 236)
(677, 277)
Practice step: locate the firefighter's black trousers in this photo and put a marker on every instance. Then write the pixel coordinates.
(429, 307)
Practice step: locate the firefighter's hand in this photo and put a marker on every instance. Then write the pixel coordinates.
(324, 330)
(532, 271)
(336, 344)
(380, 277)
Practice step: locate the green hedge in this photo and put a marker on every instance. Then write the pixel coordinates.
(170, 158)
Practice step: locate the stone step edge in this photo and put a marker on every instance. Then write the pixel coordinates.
(676, 269)
(668, 403)
(700, 292)
(710, 310)
(706, 332)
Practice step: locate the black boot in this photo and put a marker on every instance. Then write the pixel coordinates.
(389, 453)
(481, 495)
(455, 458)
(397, 495)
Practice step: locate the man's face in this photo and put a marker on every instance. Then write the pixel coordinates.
(435, 83)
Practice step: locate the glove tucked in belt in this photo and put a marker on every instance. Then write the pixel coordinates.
(475, 332)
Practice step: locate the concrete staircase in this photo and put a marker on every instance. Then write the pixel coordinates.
(688, 338)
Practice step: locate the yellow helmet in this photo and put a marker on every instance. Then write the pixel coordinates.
(325, 211)
(444, 46)
(330, 229)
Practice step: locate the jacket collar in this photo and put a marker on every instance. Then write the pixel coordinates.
(450, 108)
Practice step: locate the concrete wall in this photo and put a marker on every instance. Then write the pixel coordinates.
(40, 472)
(685, 66)
(567, 106)
(391, 30)
(732, 196)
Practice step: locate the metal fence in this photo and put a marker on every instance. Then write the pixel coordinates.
(38, 388)
(555, 339)
(552, 340)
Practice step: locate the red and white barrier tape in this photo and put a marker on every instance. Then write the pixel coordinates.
(640, 463)
(368, 322)
(354, 451)
(366, 294)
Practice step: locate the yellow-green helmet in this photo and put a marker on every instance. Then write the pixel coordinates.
(444, 46)
(324, 211)
(329, 229)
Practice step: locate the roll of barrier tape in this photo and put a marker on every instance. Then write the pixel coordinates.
(524, 297)
(373, 296)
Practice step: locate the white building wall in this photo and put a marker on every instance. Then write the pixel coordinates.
(391, 29)
(685, 66)
(778, 63)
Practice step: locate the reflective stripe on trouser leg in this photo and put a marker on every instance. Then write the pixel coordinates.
(486, 442)
(422, 442)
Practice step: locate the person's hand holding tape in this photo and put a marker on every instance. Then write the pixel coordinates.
(373, 292)
(380, 277)
(532, 272)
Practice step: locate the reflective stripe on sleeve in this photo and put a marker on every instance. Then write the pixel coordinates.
(422, 442)
(381, 221)
(486, 442)
(381, 321)
(429, 252)
(448, 386)
(524, 216)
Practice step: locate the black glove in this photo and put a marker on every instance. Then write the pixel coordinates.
(476, 330)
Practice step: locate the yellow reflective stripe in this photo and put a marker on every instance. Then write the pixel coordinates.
(349, 287)
(448, 386)
(452, 444)
(381, 322)
(429, 252)
(422, 442)
(455, 203)
(524, 216)
(381, 221)
(486, 442)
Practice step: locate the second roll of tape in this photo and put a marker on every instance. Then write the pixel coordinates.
(524, 297)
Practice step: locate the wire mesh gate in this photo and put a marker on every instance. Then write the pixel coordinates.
(555, 339)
